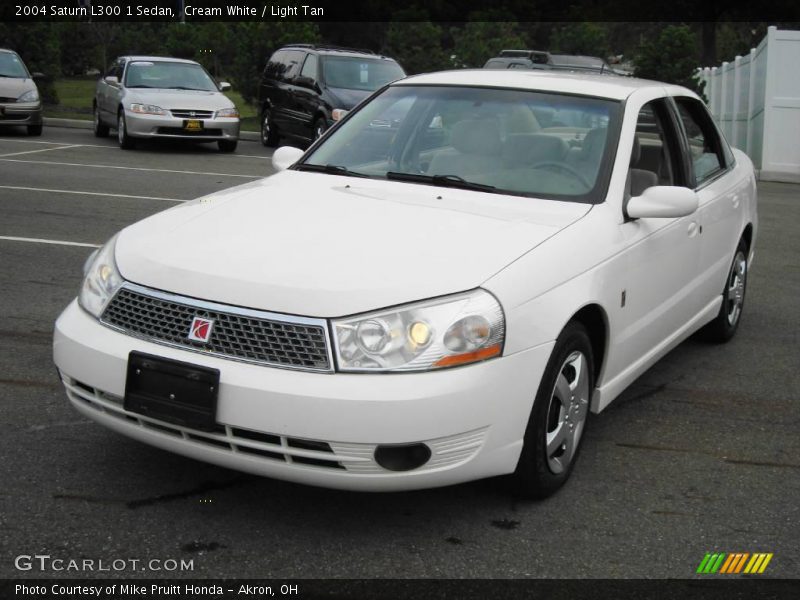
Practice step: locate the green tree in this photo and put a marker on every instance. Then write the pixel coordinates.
(416, 45)
(590, 39)
(671, 56)
(478, 41)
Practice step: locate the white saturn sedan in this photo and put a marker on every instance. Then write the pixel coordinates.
(439, 290)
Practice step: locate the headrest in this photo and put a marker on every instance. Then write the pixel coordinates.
(593, 144)
(526, 149)
(477, 136)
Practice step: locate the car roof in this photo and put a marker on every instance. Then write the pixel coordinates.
(338, 51)
(584, 83)
(160, 59)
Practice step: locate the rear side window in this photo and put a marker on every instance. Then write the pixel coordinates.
(284, 65)
(706, 147)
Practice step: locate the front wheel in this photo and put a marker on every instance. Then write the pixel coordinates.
(320, 127)
(725, 324)
(558, 419)
(126, 142)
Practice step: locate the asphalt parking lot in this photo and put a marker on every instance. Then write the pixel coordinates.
(701, 454)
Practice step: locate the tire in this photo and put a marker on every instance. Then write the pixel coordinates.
(725, 324)
(227, 145)
(126, 142)
(269, 133)
(560, 413)
(35, 130)
(320, 127)
(100, 130)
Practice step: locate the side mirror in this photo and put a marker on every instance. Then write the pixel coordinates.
(306, 82)
(285, 156)
(111, 79)
(663, 201)
(224, 86)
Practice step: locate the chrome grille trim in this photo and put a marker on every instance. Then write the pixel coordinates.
(186, 113)
(240, 334)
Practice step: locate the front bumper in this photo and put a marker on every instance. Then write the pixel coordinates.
(316, 428)
(157, 126)
(21, 113)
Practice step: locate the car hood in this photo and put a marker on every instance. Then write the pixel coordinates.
(327, 245)
(174, 99)
(14, 87)
(346, 99)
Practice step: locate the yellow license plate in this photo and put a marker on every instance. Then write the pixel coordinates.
(193, 125)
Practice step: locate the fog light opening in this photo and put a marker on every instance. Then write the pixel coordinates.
(402, 457)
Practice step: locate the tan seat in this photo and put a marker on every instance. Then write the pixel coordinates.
(476, 148)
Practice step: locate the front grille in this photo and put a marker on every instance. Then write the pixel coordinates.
(6, 99)
(188, 113)
(239, 334)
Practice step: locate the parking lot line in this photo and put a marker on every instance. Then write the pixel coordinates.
(33, 189)
(9, 238)
(7, 139)
(66, 164)
(41, 150)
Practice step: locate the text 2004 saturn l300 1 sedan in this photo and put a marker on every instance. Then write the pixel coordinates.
(439, 290)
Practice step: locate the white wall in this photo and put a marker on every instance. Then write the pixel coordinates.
(756, 101)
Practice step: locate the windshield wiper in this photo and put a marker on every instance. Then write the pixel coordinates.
(453, 181)
(332, 169)
(139, 86)
(180, 87)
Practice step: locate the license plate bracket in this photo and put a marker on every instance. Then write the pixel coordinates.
(173, 391)
(192, 125)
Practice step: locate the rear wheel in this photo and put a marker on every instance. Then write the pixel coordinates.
(126, 142)
(269, 133)
(35, 130)
(100, 130)
(559, 416)
(725, 324)
(227, 145)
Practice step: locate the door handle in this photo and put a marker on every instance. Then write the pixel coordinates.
(693, 229)
(735, 201)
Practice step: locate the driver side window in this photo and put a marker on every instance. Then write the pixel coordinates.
(655, 157)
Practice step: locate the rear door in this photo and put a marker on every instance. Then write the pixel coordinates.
(306, 95)
(285, 103)
(719, 190)
(106, 93)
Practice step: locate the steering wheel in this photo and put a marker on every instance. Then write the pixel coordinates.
(558, 166)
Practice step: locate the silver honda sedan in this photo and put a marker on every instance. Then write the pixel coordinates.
(158, 97)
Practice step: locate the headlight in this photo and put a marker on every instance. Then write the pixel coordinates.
(231, 113)
(445, 332)
(101, 279)
(29, 96)
(147, 109)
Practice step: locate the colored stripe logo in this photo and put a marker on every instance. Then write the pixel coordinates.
(731, 563)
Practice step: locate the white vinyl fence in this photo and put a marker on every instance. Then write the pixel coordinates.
(756, 101)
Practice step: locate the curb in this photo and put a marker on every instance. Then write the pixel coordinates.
(245, 136)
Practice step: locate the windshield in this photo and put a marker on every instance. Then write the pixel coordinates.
(528, 143)
(11, 66)
(353, 73)
(168, 75)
